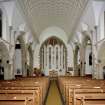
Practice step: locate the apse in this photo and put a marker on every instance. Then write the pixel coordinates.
(53, 56)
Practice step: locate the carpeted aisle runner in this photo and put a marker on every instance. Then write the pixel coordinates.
(53, 95)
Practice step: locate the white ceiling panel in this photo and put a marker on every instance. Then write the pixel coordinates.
(46, 13)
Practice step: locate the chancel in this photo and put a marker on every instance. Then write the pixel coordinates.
(52, 52)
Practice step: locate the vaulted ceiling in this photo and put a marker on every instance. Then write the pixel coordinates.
(42, 14)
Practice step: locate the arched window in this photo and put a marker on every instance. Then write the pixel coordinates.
(90, 59)
(50, 58)
(56, 55)
(0, 24)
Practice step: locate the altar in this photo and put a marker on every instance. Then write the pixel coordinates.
(53, 74)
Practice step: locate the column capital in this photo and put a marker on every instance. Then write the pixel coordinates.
(20, 33)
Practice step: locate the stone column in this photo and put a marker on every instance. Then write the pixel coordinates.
(23, 50)
(7, 71)
(13, 58)
(96, 66)
(92, 55)
(10, 66)
(45, 60)
(58, 59)
(42, 54)
(76, 60)
(83, 62)
(82, 57)
(62, 57)
(52, 48)
(54, 57)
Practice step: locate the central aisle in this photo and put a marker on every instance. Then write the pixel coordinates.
(53, 95)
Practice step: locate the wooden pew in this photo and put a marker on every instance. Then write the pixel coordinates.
(33, 90)
(89, 99)
(10, 99)
(25, 96)
(80, 84)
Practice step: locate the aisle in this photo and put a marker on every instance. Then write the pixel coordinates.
(53, 95)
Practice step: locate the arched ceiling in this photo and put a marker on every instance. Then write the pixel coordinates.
(53, 31)
(42, 14)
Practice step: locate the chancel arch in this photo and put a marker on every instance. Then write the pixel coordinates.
(53, 56)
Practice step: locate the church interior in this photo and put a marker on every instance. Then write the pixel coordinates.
(52, 52)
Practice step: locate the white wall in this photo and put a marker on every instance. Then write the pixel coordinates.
(18, 61)
(70, 58)
(97, 8)
(9, 7)
(36, 56)
(88, 68)
(17, 18)
(70, 62)
(53, 31)
(4, 22)
(101, 27)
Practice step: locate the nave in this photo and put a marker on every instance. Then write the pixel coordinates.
(44, 91)
(53, 97)
(52, 52)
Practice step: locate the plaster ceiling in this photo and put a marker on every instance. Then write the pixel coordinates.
(42, 14)
(5, 0)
